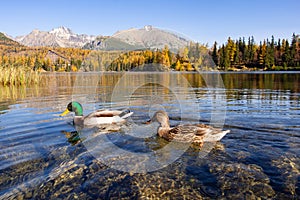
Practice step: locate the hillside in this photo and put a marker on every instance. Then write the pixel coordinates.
(4, 40)
(110, 43)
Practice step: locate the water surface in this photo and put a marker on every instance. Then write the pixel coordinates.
(42, 157)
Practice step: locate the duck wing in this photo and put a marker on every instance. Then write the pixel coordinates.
(111, 113)
(185, 133)
(197, 133)
(106, 117)
(105, 113)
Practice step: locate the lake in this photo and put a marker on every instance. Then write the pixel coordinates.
(43, 156)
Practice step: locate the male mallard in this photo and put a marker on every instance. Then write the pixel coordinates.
(98, 118)
(196, 134)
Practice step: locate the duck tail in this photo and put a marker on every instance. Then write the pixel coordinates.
(216, 137)
(125, 114)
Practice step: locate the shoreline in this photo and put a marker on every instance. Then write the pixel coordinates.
(178, 72)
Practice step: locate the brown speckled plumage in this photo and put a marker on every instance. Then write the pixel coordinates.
(196, 134)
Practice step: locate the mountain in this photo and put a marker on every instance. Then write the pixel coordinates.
(109, 43)
(143, 38)
(147, 37)
(150, 37)
(58, 37)
(7, 41)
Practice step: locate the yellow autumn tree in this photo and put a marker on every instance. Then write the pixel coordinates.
(178, 65)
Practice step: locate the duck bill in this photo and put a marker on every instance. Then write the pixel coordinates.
(148, 122)
(64, 113)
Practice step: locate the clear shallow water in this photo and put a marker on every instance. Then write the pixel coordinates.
(41, 158)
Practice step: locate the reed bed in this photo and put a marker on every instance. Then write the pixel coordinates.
(18, 76)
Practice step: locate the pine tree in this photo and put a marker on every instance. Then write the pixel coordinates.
(293, 51)
(245, 52)
(272, 52)
(278, 53)
(237, 53)
(215, 54)
(286, 57)
(269, 56)
(262, 53)
(224, 58)
(251, 50)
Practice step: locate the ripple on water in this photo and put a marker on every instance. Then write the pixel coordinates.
(259, 158)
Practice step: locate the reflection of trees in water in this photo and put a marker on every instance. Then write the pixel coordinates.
(273, 81)
(99, 86)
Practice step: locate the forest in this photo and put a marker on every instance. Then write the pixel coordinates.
(234, 55)
(268, 55)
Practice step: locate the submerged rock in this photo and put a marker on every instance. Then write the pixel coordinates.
(289, 167)
(240, 181)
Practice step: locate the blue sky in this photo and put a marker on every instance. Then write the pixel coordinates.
(200, 20)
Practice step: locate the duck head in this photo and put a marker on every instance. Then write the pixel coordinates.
(73, 106)
(162, 118)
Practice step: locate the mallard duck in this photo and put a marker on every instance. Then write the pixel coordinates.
(98, 118)
(196, 134)
(73, 137)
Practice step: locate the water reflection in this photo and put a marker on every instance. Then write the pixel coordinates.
(62, 83)
(73, 137)
(41, 155)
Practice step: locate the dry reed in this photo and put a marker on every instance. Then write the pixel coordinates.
(18, 76)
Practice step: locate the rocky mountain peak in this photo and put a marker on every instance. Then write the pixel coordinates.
(59, 37)
(61, 31)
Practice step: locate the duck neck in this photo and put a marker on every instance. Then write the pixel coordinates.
(77, 108)
(165, 124)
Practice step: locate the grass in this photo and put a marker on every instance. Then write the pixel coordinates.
(18, 76)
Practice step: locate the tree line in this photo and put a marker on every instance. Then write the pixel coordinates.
(238, 54)
(267, 55)
(190, 58)
(38, 59)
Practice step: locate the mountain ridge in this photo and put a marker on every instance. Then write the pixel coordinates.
(57, 37)
(147, 37)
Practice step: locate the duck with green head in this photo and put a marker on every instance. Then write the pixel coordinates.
(98, 118)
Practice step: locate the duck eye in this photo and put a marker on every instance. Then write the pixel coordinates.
(70, 107)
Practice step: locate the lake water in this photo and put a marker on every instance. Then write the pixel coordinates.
(43, 156)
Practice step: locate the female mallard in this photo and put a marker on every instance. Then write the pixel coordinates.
(196, 134)
(98, 118)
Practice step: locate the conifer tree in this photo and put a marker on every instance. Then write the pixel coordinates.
(251, 50)
(293, 51)
(224, 58)
(215, 54)
(286, 57)
(231, 48)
